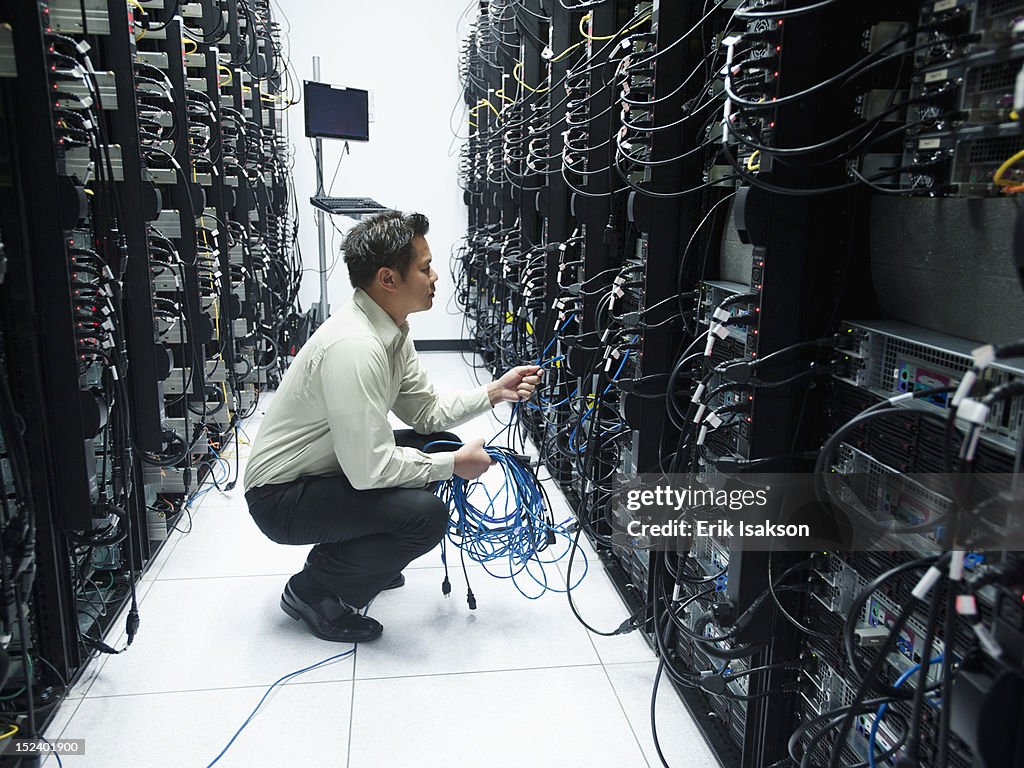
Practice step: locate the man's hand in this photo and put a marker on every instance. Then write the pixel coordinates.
(471, 460)
(516, 385)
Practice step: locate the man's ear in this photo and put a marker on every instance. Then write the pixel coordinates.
(386, 278)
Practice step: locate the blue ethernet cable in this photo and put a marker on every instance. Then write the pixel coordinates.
(884, 707)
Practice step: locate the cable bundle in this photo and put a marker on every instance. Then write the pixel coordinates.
(514, 527)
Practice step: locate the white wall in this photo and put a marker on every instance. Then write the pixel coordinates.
(406, 53)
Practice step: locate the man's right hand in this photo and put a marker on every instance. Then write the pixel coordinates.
(471, 460)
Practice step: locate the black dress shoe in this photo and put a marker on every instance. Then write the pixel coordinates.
(331, 619)
(316, 552)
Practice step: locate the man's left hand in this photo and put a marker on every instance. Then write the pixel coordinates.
(515, 386)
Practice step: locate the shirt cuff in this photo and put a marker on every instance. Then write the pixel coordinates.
(483, 399)
(442, 466)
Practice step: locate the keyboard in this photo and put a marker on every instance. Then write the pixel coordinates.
(348, 205)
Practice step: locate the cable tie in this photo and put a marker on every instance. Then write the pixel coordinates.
(703, 434)
(983, 356)
(710, 345)
(973, 411)
(966, 605)
(928, 580)
(700, 413)
(956, 565)
(964, 390)
(698, 393)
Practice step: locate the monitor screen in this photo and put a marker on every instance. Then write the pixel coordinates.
(333, 112)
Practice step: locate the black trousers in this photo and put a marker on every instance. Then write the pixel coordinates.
(365, 538)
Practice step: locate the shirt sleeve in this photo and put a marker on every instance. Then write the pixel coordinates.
(424, 409)
(353, 377)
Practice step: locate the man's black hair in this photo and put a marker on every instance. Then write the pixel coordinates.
(382, 240)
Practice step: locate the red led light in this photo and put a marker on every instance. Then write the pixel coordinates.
(771, 124)
(778, 48)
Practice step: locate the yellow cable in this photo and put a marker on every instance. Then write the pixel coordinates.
(589, 16)
(231, 75)
(195, 46)
(583, 20)
(11, 730)
(997, 177)
(472, 123)
(500, 93)
(138, 5)
(640, 23)
(515, 73)
(562, 55)
(484, 103)
(750, 161)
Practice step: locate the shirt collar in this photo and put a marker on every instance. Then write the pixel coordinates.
(382, 322)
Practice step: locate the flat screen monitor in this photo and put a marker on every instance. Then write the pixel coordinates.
(333, 112)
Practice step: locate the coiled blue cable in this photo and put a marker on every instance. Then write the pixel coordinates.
(510, 532)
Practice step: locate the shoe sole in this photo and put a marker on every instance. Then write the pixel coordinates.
(294, 614)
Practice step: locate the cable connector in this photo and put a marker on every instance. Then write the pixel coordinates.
(471, 599)
(132, 625)
(738, 372)
(712, 682)
(625, 627)
(446, 587)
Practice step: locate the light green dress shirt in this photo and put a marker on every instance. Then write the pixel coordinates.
(330, 414)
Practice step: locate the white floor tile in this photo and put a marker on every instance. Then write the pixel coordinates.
(551, 717)
(426, 634)
(601, 607)
(226, 542)
(60, 720)
(188, 730)
(678, 735)
(215, 633)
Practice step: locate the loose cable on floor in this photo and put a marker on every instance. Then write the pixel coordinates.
(278, 682)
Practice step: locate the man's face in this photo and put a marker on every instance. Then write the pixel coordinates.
(416, 289)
